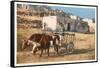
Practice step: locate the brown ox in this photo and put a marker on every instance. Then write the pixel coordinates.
(42, 42)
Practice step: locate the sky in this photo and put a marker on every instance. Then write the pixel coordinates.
(81, 12)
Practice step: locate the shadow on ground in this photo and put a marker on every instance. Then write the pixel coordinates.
(63, 52)
(76, 51)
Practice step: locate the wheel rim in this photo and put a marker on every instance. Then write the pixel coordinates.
(70, 48)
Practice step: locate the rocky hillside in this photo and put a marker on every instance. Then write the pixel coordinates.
(29, 14)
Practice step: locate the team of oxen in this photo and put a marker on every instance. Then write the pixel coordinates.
(43, 42)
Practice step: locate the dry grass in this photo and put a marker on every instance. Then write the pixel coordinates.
(84, 49)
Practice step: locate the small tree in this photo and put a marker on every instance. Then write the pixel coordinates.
(93, 20)
(84, 24)
(62, 29)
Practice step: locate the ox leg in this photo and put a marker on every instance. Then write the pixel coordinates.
(48, 51)
(41, 52)
(56, 48)
(34, 49)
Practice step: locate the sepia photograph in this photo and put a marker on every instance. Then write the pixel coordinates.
(54, 33)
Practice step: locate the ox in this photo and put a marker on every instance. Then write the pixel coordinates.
(42, 42)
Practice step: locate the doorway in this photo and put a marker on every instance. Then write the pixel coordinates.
(68, 27)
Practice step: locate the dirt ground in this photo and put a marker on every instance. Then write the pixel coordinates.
(84, 45)
(78, 54)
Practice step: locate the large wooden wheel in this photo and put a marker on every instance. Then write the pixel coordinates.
(70, 47)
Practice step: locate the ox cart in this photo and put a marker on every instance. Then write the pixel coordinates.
(67, 42)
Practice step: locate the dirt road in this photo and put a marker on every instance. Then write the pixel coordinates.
(78, 54)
